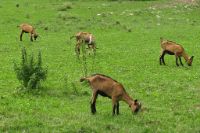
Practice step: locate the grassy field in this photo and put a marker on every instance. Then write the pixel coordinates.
(127, 34)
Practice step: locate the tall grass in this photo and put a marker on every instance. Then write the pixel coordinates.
(87, 59)
(84, 59)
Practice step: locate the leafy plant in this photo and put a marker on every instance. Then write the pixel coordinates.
(30, 72)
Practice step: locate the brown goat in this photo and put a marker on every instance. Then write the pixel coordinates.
(172, 48)
(26, 28)
(108, 87)
(84, 37)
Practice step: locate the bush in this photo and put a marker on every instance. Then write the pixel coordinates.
(30, 72)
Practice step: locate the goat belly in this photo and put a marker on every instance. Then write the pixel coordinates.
(169, 52)
(103, 94)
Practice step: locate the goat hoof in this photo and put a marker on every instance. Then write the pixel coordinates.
(93, 113)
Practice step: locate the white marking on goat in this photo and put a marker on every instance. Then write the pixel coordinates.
(90, 39)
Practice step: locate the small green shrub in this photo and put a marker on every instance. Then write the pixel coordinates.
(30, 72)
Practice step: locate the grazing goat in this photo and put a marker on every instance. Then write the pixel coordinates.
(26, 28)
(108, 87)
(84, 37)
(172, 48)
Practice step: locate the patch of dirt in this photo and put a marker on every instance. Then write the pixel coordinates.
(187, 1)
(174, 3)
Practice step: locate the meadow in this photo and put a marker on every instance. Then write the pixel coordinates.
(128, 40)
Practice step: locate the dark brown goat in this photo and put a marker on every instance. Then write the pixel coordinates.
(106, 86)
(26, 28)
(172, 48)
(84, 37)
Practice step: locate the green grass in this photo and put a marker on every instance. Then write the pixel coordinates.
(169, 94)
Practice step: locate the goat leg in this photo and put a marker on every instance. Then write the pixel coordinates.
(77, 49)
(22, 32)
(31, 37)
(93, 108)
(114, 105)
(93, 102)
(117, 108)
(180, 61)
(162, 58)
(177, 61)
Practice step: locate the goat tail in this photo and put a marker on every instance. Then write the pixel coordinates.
(72, 37)
(82, 79)
(85, 79)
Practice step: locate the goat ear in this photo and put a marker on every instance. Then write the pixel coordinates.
(135, 100)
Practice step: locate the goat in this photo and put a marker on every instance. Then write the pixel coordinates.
(84, 37)
(172, 48)
(108, 87)
(26, 28)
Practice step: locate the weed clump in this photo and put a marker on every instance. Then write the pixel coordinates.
(65, 6)
(17, 5)
(30, 72)
(64, 16)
